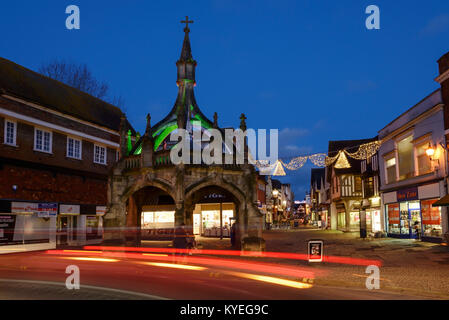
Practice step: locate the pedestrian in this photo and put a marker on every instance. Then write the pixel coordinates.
(180, 241)
(232, 234)
(417, 230)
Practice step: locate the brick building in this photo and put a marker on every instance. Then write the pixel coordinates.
(57, 145)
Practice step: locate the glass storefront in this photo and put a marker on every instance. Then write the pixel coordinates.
(210, 219)
(407, 218)
(431, 219)
(158, 220)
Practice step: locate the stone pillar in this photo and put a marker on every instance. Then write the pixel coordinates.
(347, 216)
(179, 214)
(131, 221)
(334, 216)
(115, 223)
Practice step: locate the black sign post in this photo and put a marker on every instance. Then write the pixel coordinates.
(316, 250)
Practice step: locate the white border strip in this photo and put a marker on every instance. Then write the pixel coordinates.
(60, 114)
(58, 128)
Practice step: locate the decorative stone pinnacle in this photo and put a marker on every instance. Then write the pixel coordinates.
(242, 122)
(215, 120)
(147, 131)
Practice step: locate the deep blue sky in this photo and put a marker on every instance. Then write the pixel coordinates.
(309, 68)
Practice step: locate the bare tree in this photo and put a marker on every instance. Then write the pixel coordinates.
(77, 76)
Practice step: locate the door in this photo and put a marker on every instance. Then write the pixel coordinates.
(196, 223)
(415, 218)
(62, 230)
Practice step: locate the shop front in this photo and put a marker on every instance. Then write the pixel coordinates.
(370, 215)
(80, 224)
(412, 216)
(323, 217)
(158, 222)
(216, 219)
(27, 226)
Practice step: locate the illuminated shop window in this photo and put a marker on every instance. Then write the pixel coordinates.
(158, 220)
(393, 218)
(431, 219)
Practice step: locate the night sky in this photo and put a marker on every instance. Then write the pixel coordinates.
(308, 68)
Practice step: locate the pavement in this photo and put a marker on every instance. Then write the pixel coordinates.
(408, 266)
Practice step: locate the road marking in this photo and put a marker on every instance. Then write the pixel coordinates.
(138, 294)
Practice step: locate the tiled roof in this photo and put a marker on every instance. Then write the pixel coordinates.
(31, 86)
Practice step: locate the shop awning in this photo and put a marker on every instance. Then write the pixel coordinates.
(443, 202)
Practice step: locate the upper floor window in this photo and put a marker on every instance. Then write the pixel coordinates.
(73, 148)
(405, 158)
(99, 154)
(42, 140)
(10, 132)
(422, 159)
(390, 165)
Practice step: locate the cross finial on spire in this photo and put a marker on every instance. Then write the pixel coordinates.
(187, 21)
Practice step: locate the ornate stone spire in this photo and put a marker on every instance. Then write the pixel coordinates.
(186, 65)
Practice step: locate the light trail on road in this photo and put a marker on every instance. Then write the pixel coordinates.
(260, 254)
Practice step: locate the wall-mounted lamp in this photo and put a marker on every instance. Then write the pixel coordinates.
(14, 187)
(430, 151)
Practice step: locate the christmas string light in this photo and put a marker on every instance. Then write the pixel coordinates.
(318, 159)
(295, 163)
(365, 151)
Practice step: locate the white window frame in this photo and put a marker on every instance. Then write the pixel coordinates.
(35, 140)
(105, 154)
(387, 157)
(416, 145)
(14, 143)
(81, 148)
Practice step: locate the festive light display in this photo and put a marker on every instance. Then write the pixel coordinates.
(295, 163)
(342, 162)
(364, 152)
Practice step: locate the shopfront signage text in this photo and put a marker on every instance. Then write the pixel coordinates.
(407, 194)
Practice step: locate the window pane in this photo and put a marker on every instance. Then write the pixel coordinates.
(38, 140)
(46, 141)
(70, 148)
(405, 157)
(391, 174)
(423, 160)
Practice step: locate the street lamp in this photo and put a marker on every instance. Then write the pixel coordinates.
(275, 193)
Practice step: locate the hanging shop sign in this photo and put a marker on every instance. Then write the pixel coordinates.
(407, 194)
(101, 210)
(69, 209)
(315, 250)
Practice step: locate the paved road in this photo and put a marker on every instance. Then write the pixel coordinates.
(41, 275)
